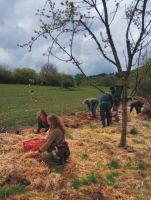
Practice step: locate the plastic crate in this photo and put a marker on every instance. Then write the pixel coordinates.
(33, 144)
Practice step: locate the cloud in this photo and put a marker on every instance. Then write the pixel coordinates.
(17, 24)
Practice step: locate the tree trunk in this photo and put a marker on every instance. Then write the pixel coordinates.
(124, 115)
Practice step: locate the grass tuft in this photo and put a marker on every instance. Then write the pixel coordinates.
(84, 156)
(11, 190)
(111, 178)
(134, 131)
(88, 180)
(140, 167)
(69, 136)
(114, 164)
(93, 126)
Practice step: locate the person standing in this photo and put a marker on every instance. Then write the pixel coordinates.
(92, 104)
(106, 103)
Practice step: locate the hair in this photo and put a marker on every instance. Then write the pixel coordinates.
(56, 122)
(85, 101)
(42, 112)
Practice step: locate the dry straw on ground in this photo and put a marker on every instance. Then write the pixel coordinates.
(125, 174)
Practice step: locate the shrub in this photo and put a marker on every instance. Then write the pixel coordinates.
(6, 76)
(67, 81)
(144, 90)
(25, 75)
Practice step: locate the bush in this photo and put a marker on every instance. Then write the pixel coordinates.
(67, 81)
(144, 90)
(50, 78)
(25, 75)
(6, 76)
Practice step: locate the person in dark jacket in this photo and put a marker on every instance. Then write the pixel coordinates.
(106, 103)
(92, 104)
(42, 122)
(137, 104)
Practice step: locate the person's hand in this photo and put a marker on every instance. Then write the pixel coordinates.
(42, 130)
(35, 130)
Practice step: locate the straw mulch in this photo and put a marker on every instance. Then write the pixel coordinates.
(92, 150)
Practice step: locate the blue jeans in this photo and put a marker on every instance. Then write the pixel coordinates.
(93, 108)
(105, 112)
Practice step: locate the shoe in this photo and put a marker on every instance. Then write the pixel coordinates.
(103, 126)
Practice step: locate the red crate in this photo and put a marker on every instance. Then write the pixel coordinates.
(33, 144)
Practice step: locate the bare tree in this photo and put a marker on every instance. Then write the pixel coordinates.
(62, 21)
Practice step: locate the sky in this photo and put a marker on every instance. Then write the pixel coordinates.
(17, 24)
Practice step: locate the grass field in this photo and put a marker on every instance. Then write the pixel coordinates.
(18, 109)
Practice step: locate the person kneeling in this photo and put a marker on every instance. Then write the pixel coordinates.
(42, 122)
(55, 141)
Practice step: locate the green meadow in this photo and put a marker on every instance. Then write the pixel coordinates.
(20, 103)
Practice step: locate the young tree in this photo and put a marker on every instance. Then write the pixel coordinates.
(62, 22)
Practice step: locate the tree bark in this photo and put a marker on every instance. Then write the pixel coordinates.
(124, 115)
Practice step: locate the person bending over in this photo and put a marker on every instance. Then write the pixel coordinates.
(92, 104)
(137, 104)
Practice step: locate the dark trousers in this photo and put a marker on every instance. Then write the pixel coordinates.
(105, 112)
(93, 108)
(137, 108)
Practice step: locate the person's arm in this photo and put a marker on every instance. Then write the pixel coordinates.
(39, 125)
(111, 100)
(51, 138)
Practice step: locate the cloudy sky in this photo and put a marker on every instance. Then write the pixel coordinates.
(17, 23)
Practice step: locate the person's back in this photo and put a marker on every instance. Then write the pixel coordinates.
(137, 104)
(106, 98)
(54, 137)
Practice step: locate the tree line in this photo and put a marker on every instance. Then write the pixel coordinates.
(48, 75)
